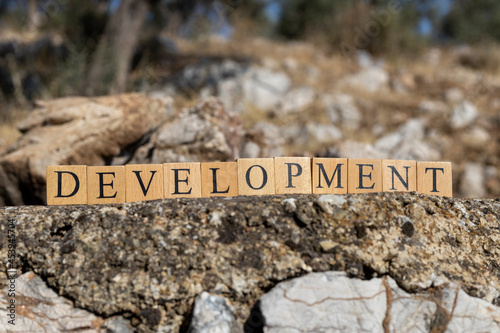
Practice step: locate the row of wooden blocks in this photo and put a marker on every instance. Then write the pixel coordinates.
(80, 184)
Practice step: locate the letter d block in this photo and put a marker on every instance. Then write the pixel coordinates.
(292, 175)
(105, 184)
(219, 179)
(435, 178)
(364, 175)
(182, 180)
(144, 182)
(329, 175)
(256, 176)
(67, 185)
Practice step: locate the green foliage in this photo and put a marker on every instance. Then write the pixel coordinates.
(473, 21)
(377, 26)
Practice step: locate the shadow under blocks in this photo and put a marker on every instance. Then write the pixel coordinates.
(81, 184)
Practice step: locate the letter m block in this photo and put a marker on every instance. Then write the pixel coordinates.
(67, 185)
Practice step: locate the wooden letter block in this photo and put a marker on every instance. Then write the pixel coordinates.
(399, 176)
(256, 176)
(434, 178)
(105, 184)
(182, 180)
(329, 175)
(144, 182)
(219, 179)
(66, 185)
(292, 175)
(364, 175)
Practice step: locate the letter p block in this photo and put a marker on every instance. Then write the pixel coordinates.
(66, 185)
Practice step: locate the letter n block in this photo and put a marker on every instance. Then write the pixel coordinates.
(292, 175)
(399, 176)
(435, 178)
(329, 175)
(364, 175)
(182, 180)
(66, 185)
(219, 179)
(144, 182)
(256, 176)
(105, 184)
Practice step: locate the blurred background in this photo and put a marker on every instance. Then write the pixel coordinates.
(384, 79)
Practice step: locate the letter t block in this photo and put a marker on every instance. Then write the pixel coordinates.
(435, 178)
(67, 185)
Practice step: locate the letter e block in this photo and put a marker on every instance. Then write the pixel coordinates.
(144, 182)
(182, 180)
(329, 175)
(435, 178)
(292, 175)
(364, 175)
(66, 185)
(105, 184)
(219, 179)
(256, 176)
(399, 176)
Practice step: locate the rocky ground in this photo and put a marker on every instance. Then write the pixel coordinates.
(141, 266)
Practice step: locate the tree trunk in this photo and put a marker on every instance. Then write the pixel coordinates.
(110, 64)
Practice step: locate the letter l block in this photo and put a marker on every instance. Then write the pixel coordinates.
(219, 179)
(66, 185)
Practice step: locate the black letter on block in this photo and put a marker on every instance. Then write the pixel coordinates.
(434, 176)
(59, 184)
(290, 176)
(264, 180)
(394, 171)
(177, 181)
(329, 182)
(214, 182)
(361, 176)
(101, 185)
(138, 174)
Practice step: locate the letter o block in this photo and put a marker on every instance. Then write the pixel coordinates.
(256, 176)
(67, 185)
(292, 175)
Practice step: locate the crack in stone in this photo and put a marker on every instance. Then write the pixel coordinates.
(386, 323)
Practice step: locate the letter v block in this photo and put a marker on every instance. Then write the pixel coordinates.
(256, 176)
(105, 184)
(329, 175)
(364, 175)
(219, 179)
(182, 180)
(399, 176)
(144, 182)
(292, 175)
(67, 185)
(435, 178)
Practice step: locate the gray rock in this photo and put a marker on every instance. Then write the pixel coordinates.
(333, 302)
(408, 143)
(342, 110)
(463, 115)
(267, 138)
(432, 107)
(472, 182)
(205, 132)
(454, 95)
(353, 149)
(296, 100)
(40, 309)
(322, 133)
(371, 79)
(212, 314)
(264, 88)
(476, 137)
